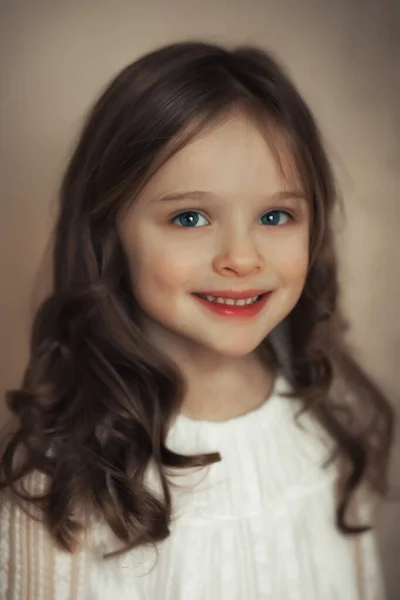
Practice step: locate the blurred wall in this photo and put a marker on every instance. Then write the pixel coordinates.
(344, 55)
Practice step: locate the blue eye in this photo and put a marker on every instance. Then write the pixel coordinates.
(274, 218)
(188, 219)
(192, 219)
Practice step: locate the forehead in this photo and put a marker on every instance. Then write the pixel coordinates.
(232, 156)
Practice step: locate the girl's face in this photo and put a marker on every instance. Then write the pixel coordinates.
(237, 225)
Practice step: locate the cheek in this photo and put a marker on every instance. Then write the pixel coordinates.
(162, 272)
(295, 270)
(291, 262)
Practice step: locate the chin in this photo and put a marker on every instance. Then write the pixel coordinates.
(234, 349)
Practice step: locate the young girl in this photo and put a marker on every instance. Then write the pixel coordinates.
(191, 424)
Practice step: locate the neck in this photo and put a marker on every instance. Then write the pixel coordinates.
(221, 388)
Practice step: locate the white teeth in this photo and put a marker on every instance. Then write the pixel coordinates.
(230, 301)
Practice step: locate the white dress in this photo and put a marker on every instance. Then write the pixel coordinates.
(259, 525)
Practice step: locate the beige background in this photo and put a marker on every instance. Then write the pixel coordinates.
(56, 56)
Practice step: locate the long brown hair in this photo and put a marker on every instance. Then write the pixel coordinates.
(97, 399)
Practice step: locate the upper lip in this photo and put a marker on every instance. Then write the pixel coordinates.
(234, 295)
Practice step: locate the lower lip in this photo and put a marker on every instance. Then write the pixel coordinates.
(229, 310)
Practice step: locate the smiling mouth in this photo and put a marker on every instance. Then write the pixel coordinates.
(232, 301)
(240, 307)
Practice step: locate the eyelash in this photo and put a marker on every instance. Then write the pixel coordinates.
(185, 212)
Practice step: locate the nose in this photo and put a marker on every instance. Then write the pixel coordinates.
(238, 255)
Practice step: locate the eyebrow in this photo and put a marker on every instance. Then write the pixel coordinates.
(202, 195)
